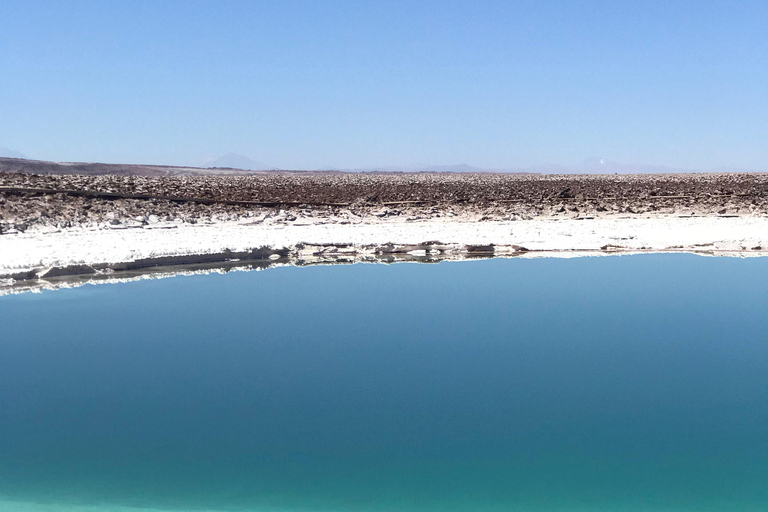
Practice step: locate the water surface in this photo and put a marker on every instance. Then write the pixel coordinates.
(593, 384)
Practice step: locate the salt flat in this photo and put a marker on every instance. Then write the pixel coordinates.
(58, 226)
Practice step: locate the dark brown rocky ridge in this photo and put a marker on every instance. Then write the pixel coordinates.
(29, 200)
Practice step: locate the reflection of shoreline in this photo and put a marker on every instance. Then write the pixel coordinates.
(32, 262)
(161, 272)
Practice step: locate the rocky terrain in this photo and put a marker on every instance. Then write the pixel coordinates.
(65, 230)
(34, 201)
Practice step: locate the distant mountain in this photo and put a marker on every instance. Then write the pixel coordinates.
(587, 166)
(239, 165)
(94, 168)
(9, 153)
(236, 161)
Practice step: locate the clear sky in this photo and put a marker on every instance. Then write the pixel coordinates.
(315, 84)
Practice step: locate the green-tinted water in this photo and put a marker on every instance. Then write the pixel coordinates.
(602, 384)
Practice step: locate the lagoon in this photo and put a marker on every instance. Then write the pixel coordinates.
(631, 383)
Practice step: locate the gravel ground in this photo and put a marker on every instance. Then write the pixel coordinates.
(29, 201)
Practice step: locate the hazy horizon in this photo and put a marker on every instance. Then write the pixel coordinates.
(588, 165)
(345, 85)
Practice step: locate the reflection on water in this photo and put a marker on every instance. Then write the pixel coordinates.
(624, 383)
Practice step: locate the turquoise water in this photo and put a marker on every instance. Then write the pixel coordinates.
(593, 384)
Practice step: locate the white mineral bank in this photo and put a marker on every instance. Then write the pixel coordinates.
(24, 251)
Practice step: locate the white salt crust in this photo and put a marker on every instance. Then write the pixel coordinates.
(566, 237)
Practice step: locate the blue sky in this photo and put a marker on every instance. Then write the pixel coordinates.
(315, 84)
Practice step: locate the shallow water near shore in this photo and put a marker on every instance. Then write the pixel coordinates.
(634, 383)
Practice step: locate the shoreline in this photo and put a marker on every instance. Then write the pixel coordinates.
(66, 229)
(50, 259)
